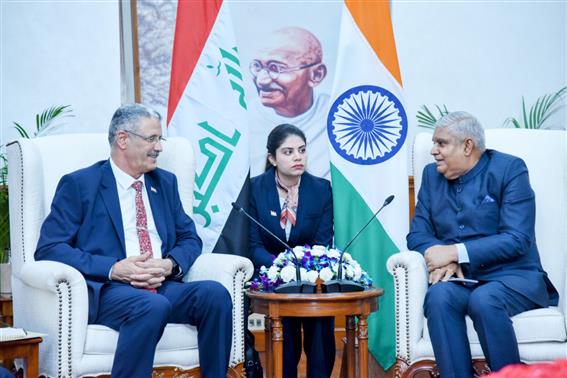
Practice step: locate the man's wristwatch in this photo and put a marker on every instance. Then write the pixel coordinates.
(176, 269)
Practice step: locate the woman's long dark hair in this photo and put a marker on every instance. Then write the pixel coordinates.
(277, 137)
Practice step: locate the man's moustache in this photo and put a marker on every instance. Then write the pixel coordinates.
(270, 88)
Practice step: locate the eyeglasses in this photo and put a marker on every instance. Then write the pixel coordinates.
(150, 139)
(275, 69)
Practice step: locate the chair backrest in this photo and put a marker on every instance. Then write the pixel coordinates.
(544, 152)
(36, 165)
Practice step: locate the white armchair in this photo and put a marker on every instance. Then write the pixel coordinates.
(51, 297)
(541, 333)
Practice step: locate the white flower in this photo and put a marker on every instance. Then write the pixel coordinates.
(273, 273)
(303, 273)
(298, 252)
(280, 259)
(263, 269)
(288, 273)
(333, 253)
(326, 274)
(318, 250)
(312, 276)
(348, 272)
(357, 272)
(335, 267)
(347, 258)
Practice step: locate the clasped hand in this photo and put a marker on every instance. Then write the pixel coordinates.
(142, 271)
(442, 263)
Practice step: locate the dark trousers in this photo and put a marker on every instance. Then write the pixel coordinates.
(318, 342)
(140, 317)
(490, 306)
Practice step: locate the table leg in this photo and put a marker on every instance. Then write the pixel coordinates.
(350, 328)
(277, 346)
(33, 362)
(268, 347)
(363, 345)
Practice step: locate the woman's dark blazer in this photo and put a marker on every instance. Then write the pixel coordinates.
(314, 224)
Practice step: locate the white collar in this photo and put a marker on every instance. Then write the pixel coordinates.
(123, 179)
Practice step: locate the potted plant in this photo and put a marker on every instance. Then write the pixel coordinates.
(544, 107)
(43, 121)
(426, 118)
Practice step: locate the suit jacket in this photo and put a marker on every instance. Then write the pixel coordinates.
(84, 228)
(314, 216)
(491, 209)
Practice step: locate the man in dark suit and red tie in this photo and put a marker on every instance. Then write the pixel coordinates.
(120, 223)
(475, 219)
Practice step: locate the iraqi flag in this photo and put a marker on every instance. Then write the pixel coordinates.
(207, 105)
(367, 128)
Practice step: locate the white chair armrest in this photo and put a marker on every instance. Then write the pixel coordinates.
(410, 285)
(53, 300)
(232, 271)
(220, 267)
(45, 275)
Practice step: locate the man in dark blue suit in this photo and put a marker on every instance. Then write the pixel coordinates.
(475, 219)
(120, 223)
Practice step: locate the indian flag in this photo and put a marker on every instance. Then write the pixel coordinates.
(207, 105)
(367, 128)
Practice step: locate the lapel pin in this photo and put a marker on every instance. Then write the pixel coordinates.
(273, 213)
(153, 189)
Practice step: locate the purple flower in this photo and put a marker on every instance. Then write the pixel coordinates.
(309, 261)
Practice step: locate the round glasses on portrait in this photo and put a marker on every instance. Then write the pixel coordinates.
(274, 69)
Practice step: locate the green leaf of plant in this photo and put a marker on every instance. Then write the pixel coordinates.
(50, 114)
(23, 133)
(526, 123)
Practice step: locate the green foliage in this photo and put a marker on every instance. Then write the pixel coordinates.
(544, 107)
(426, 118)
(44, 120)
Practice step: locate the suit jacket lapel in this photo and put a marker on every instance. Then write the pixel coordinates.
(109, 195)
(274, 205)
(156, 203)
(302, 202)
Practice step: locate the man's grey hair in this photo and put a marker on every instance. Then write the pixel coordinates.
(463, 125)
(127, 117)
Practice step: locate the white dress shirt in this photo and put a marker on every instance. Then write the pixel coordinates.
(127, 199)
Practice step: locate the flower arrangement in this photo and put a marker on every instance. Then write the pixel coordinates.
(317, 262)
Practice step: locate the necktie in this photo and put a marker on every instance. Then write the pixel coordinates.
(142, 223)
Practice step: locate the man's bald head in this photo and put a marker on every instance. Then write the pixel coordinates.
(287, 68)
(296, 43)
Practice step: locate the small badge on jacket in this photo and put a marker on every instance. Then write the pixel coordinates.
(487, 199)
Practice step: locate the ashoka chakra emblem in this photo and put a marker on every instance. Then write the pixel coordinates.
(367, 125)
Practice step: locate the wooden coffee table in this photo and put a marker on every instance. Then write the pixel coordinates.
(27, 348)
(275, 306)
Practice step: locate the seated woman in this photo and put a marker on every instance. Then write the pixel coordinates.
(298, 208)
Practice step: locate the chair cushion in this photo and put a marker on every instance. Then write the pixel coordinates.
(102, 340)
(543, 324)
